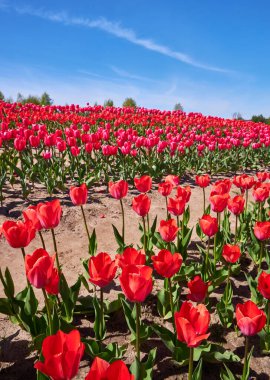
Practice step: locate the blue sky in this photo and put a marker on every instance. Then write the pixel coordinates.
(211, 56)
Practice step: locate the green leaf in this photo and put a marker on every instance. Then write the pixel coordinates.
(197, 374)
(9, 288)
(69, 296)
(226, 374)
(93, 243)
(99, 324)
(218, 354)
(31, 303)
(118, 238)
(245, 376)
(167, 336)
(129, 317)
(5, 307)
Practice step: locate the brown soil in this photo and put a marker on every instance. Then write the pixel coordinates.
(16, 357)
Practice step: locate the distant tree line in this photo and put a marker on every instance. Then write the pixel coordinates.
(44, 99)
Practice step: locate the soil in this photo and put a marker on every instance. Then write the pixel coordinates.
(16, 356)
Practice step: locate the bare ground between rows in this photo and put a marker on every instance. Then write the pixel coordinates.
(16, 357)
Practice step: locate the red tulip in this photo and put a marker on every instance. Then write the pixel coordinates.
(202, 180)
(31, 214)
(236, 205)
(165, 188)
(18, 234)
(118, 190)
(62, 354)
(219, 202)
(173, 179)
(209, 225)
(262, 176)
(221, 187)
(264, 285)
(176, 206)
(260, 193)
(102, 269)
(40, 271)
(102, 370)
(231, 253)
(184, 193)
(141, 204)
(168, 229)
(191, 323)
(250, 319)
(143, 184)
(136, 282)
(244, 181)
(167, 264)
(20, 143)
(262, 230)
(130, 256)
(78, 194)
(198, 289)
(49, 214)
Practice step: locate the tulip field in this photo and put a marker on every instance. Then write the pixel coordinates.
(134, 245)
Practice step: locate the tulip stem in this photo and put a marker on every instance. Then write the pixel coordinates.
(85, 223)
(261, 254)
(144, 236)
(171, 302)
(48, 311)
(148, 223)
(23, 253)
(227, 286)
(203, 200)
(123, 219)
(178, 232)
(268, 316)
(101, 306)
(166, 200)
(215, 248)
(261, 207)
(207, 258)
(245, 359)
(138, 313)
(56, 252)
(235, 231)
(246, 200)
(190, 367)
(42, 240)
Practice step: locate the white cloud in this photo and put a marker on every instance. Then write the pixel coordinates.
(119, 31)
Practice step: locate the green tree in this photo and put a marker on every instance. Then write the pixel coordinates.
(259, 119)
(33, 99)
(2, 96)
(20, 98)
(129, 102)
(45, 99)
(108, 103)
(178, 107)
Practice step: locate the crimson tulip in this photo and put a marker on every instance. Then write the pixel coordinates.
(62, 354)
(102, 370)
(236, 204)
(49, 214)
(198, 289)
(130, 256)
(231, 253)
(18, 234)
(173, 179)
(250, 319)
(202, 180)
(119, 189)
(136, 282)
(167, 264)
(102, 269)
(141, 204)
(264, 284)
(78, 194)
(168, 230)
(40, 271)
(209, 225)
(219, 202)
(143, 184)
(192, 323)
(262, 230)
(176, 206)
(165, 188)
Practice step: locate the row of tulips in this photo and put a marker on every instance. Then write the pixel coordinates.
(50, 145)
(162, 254)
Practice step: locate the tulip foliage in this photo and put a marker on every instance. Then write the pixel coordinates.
(185, 273)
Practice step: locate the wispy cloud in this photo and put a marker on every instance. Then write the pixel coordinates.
(116, 29)
(125, 74)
